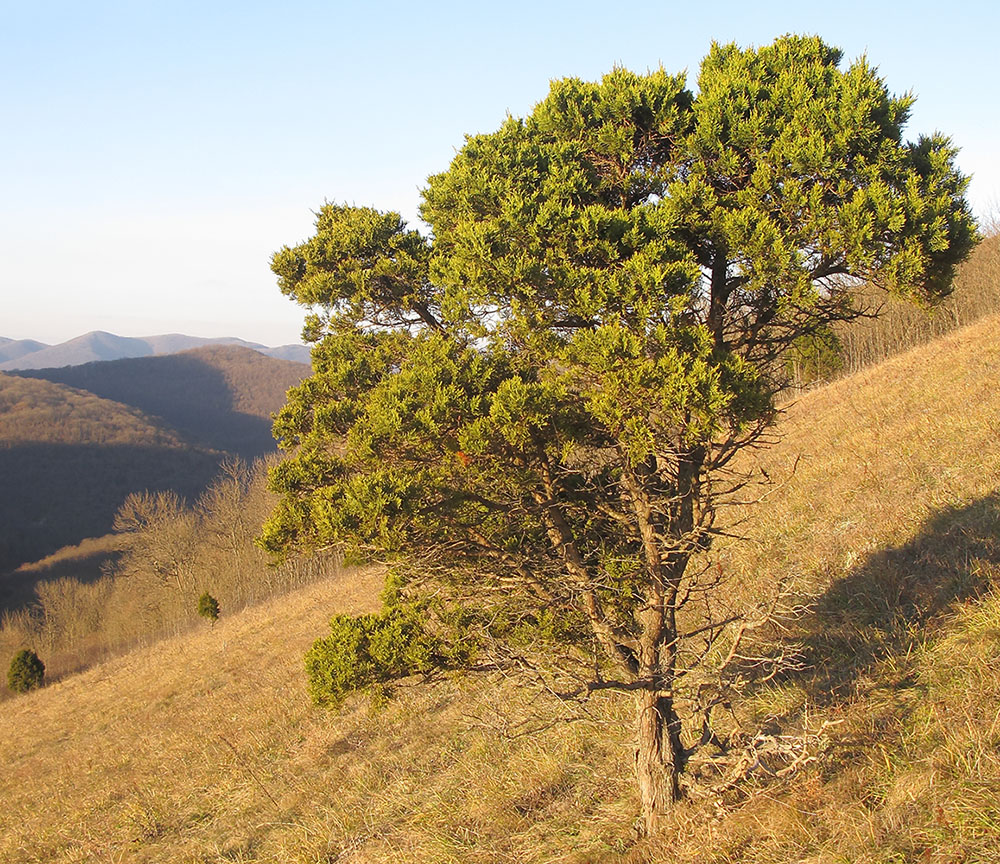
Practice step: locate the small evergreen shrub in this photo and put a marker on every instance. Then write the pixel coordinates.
(208, 607)
(410, 636)
(26, 671)
(367, 651)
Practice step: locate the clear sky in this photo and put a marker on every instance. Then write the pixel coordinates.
(155, 153)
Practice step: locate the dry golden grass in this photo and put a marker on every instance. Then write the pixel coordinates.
(892, 518)
(204, 747)
(112, 594)
(901, 325)
(133, 757)
(70, 560)
(867, 460)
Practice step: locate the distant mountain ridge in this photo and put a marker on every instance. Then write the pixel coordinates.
(100, 345)
(11, 349)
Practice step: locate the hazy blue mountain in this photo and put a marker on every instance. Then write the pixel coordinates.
(11, 349)
(99, 345)
(172, 343)
(294, 353)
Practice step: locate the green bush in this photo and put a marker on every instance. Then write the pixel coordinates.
(208, 607)
(26, 671)
(371, 650)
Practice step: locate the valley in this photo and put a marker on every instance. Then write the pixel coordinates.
(76, 440)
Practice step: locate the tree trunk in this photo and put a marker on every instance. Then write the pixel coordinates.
(658, 757)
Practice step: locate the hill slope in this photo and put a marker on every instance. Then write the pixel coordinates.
(204, 748)
(39, 411)
(67, 460)
(12, 349)
(75, 441)
(219, 396)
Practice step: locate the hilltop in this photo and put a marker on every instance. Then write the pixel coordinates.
(885, 513)
(218, 396)
(12, 349)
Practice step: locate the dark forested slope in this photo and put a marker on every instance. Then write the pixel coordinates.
(74, 442)
(219, 396)
(69, 457)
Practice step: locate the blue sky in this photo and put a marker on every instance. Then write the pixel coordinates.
(154, 154)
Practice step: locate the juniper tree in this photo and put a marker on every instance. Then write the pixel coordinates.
(26, 671)
(532, 409)
(208, 607)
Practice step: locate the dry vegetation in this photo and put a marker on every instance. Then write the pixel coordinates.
(895, 325)
(42, 412)
(83, 562)
(113, 593)
(203, 747)
(218, 396)
(901, 325)
(893, 514)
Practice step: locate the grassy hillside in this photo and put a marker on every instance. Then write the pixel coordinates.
(885, 511)
(107, 595)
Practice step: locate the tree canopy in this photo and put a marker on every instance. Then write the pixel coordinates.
(532, 410)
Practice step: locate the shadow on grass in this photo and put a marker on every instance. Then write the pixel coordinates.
(883, 607)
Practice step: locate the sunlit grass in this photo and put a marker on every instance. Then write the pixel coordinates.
(204, 747)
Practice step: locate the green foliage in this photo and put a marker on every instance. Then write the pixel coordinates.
(366, 653)
(26, 671)
(533, 411)
(814, 357)
(208, 607)
(622, 273)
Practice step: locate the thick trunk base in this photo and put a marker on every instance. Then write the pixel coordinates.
(657, 758)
